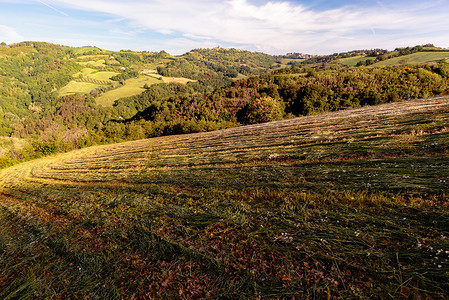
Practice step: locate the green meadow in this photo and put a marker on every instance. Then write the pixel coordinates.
(75, 87)
(415, 58)
(133, 86)
(352, 61)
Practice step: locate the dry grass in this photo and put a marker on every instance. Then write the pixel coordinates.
(350, 204)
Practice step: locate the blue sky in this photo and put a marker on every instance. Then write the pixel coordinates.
(275, 27)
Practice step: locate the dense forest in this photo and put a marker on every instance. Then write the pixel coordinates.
(285, 93)
(231, 88)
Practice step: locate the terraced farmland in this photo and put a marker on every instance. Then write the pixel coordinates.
(346, 204)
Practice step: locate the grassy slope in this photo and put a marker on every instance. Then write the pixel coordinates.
(415, 58)
(352, 61)
(74, 87)
(153, 73)
(348, 204)
(95, 74)
(94, 63)
(103, 75)
(133, 86)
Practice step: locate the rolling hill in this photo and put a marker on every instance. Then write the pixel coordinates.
(416, 59)
(349, 204)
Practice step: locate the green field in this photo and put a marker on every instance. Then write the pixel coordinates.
(133, 86)
(96, 60)
(95, 74)
(153, 73)
(352, 61)
(345, 205)
(94, 63)
(286, 61)
(75, 87)
(94, 57)
(415, 59)
(85, 72)
(103, 75)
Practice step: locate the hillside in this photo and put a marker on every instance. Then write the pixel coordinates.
(420, 55)
(416, 59)
(349, 204)
(56, 98)
(207, 63)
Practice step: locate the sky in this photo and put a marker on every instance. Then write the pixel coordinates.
(274, 27)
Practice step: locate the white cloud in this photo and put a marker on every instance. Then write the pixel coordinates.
(9, 35)
(275, 26)
(53, 8)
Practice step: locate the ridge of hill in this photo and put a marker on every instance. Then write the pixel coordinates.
(344, 204)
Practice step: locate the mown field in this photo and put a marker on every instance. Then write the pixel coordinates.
(415, 58)
(350, 204)
(132, 87)
(153, 73)
(95, 74)
(84, 87)
(352, 61)
(75, 87)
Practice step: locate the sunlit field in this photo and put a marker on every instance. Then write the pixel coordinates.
(132, 87)
(350, 204)
(415, 58)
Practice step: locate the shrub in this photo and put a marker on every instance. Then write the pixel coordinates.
(443, 68)
(261, 110)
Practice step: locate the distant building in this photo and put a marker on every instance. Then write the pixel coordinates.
(298, 55)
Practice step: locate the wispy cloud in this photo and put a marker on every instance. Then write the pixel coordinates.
(53, 8)
(9, 35)
(274, 26)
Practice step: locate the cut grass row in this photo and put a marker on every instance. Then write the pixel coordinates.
(351, 204)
